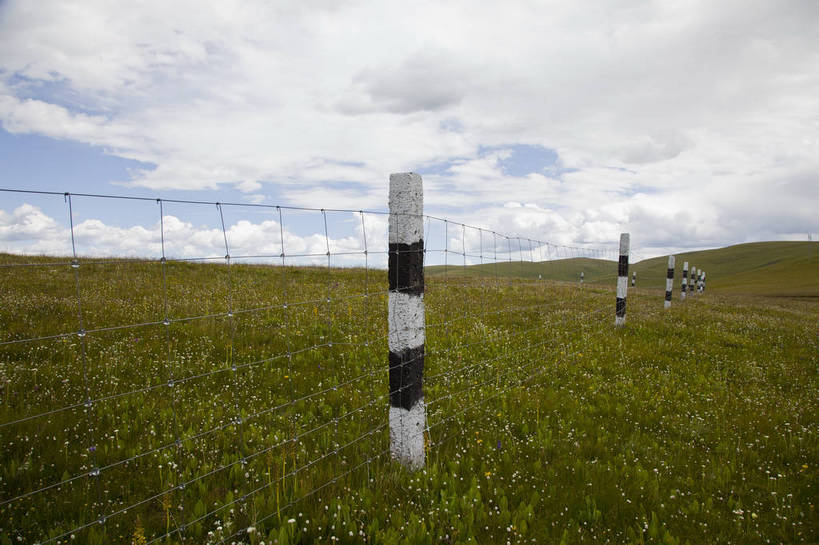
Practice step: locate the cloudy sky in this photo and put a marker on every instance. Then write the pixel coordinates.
(690, 124)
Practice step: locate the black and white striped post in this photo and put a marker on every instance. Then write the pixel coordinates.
(702, 284)
(669, 281)
(633, 278)
(684, 280)
(692, 280)
(406, 319)
(622, 281)
(581, 277)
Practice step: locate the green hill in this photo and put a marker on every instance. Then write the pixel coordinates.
(758, 268)
(564, 270)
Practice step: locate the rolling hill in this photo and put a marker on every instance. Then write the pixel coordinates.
(789, 269)
(564, 270)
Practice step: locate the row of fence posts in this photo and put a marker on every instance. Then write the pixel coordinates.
(695, 285)
(407, 417)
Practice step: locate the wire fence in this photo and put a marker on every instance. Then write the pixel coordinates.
(176, 391)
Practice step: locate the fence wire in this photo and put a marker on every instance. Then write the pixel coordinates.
(175, 390)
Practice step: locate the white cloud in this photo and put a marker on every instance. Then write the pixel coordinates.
(28, 230)
(686, 123)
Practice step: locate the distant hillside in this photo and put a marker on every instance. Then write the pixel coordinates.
(565, 270)
(756, 268)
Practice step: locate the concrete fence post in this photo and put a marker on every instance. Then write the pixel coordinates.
(684, 280)
(669, 281)
(633, 278)
(406, 319)
(692, 280)
(622, 280)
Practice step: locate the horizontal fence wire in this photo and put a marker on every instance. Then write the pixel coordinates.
(176, 389)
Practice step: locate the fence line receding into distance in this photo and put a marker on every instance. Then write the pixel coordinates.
(237, 383)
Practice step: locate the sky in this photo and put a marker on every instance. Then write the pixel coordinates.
(691, 124)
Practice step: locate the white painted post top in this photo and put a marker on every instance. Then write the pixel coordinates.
(406, 193)
(671, 260)
(625, 242)
(406, 204)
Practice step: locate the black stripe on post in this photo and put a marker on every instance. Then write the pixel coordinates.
(407, 369)
(406, 267)
(620, 309)
(622, 266)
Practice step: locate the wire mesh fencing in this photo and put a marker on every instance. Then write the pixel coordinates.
(179, 389)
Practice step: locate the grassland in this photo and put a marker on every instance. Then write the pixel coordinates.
(248, 404)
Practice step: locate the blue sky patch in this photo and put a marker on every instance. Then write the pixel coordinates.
(57, 91)
(525, 159)
(38, 162)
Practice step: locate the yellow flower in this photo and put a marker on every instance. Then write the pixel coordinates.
(488, 474)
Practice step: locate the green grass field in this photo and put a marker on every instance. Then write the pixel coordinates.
(258, 413)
